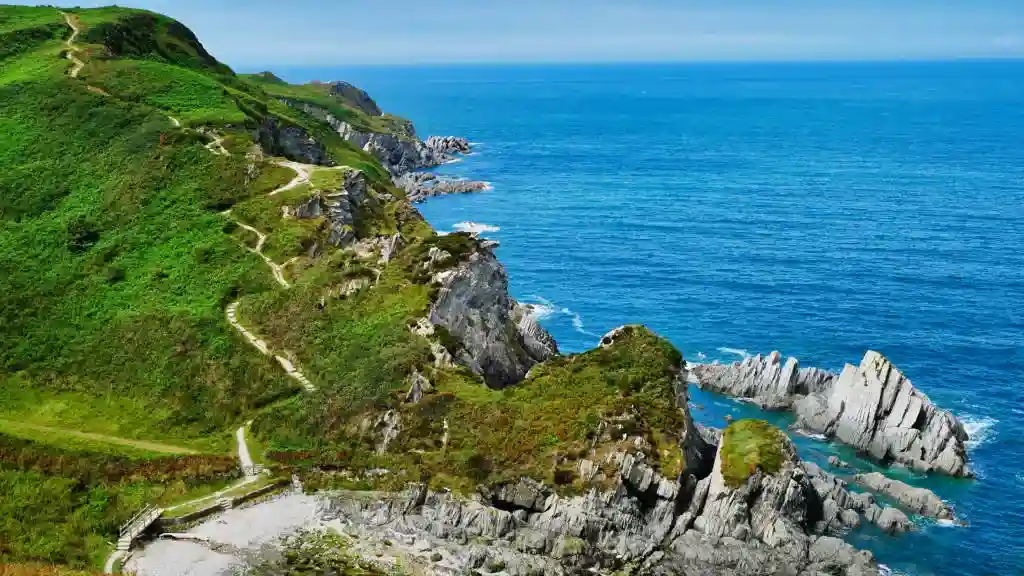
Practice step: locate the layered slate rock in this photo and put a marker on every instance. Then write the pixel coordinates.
(872, 407)
(875, 408)
(420, 186)
(497, 339)
(764, 380)
(399, 151)
(918, 500)
(278, 138)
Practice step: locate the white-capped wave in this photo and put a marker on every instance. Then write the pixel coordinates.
(452, 161)
(545, 308)
(701, 356)
(475, 227)
(808, 434)
(980, 429)
(737, 351)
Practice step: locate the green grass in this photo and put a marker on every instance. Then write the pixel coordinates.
(316, 553)
(192, 97)
(750, 445)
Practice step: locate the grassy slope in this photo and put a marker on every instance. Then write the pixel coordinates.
(118, 266)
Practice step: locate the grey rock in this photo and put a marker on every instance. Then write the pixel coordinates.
(875, 408)
(420, 186)
(442, 145)
(918, 500)
(279, 138)
(891, 520)
(341, 208)
(418, 386)
(872, 407)
(767, 381)
(473, 305)
(835, 462)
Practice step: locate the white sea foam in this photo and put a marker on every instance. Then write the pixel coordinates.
(980, 429)
(452, 161)
(475, 227)
(945, 523)
(807, 434)
(546, 309)
(737, 351)
(702, 356)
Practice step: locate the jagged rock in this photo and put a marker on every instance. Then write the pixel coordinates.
(389, 247)
(280, 139)
(835, 462)
(356, 97)
(538, 342)
(420, 186)
(764, 380)
(919, 500)
(449, 145)
(418, 386)
(710, 434)
(473, 305)
(523, 494)
(875, 408)
(400, 152)
(340, 208)
(387, 427)
(890, 520)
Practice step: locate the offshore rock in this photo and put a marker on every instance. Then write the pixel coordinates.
(764, 380)
(448, 145)
(420, 186)
(497, 341)
(843, 509)
(875, 408)
(918, 500)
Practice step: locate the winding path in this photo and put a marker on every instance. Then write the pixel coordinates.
(71, 55)
(256, 342)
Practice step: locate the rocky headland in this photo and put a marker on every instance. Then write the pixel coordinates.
(420, 186)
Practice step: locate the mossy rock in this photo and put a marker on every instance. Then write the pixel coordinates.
(749, 445)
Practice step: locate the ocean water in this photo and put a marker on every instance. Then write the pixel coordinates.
(816, 209)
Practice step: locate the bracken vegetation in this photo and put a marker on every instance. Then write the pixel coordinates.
(748, 446)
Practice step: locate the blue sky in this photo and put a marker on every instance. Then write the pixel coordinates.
(262, 33)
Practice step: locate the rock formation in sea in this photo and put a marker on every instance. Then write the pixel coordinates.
(420, 186)
(918, 500)
(872, 407)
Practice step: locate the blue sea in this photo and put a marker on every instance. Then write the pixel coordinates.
(817, 209)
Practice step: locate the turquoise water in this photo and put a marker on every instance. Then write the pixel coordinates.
(820, 210)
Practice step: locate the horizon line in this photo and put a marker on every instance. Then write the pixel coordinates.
(247, 68)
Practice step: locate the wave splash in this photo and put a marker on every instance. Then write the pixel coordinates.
(980, 429)
(737, 351)
(475, 227)
(545, 309)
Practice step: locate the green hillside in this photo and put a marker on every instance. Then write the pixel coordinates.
(140, 218)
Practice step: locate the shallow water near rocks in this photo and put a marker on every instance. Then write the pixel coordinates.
(817, 209)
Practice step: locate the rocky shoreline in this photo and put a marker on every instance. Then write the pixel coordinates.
(624, 513)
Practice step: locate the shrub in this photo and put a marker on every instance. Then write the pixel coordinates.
(749, 445)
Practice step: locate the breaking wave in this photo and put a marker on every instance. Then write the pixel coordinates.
(737, 351)
(545, 309)
(980, 430)
(475, 227)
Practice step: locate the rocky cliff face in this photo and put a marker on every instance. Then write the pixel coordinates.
(280, 139)
(399, 152)
(356, 97)
(872, 407)
(497, 339)
(641, 522)
(340, 209)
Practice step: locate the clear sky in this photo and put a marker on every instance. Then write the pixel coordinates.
(262, 33)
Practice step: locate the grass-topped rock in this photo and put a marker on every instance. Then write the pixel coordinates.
(751, 445)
